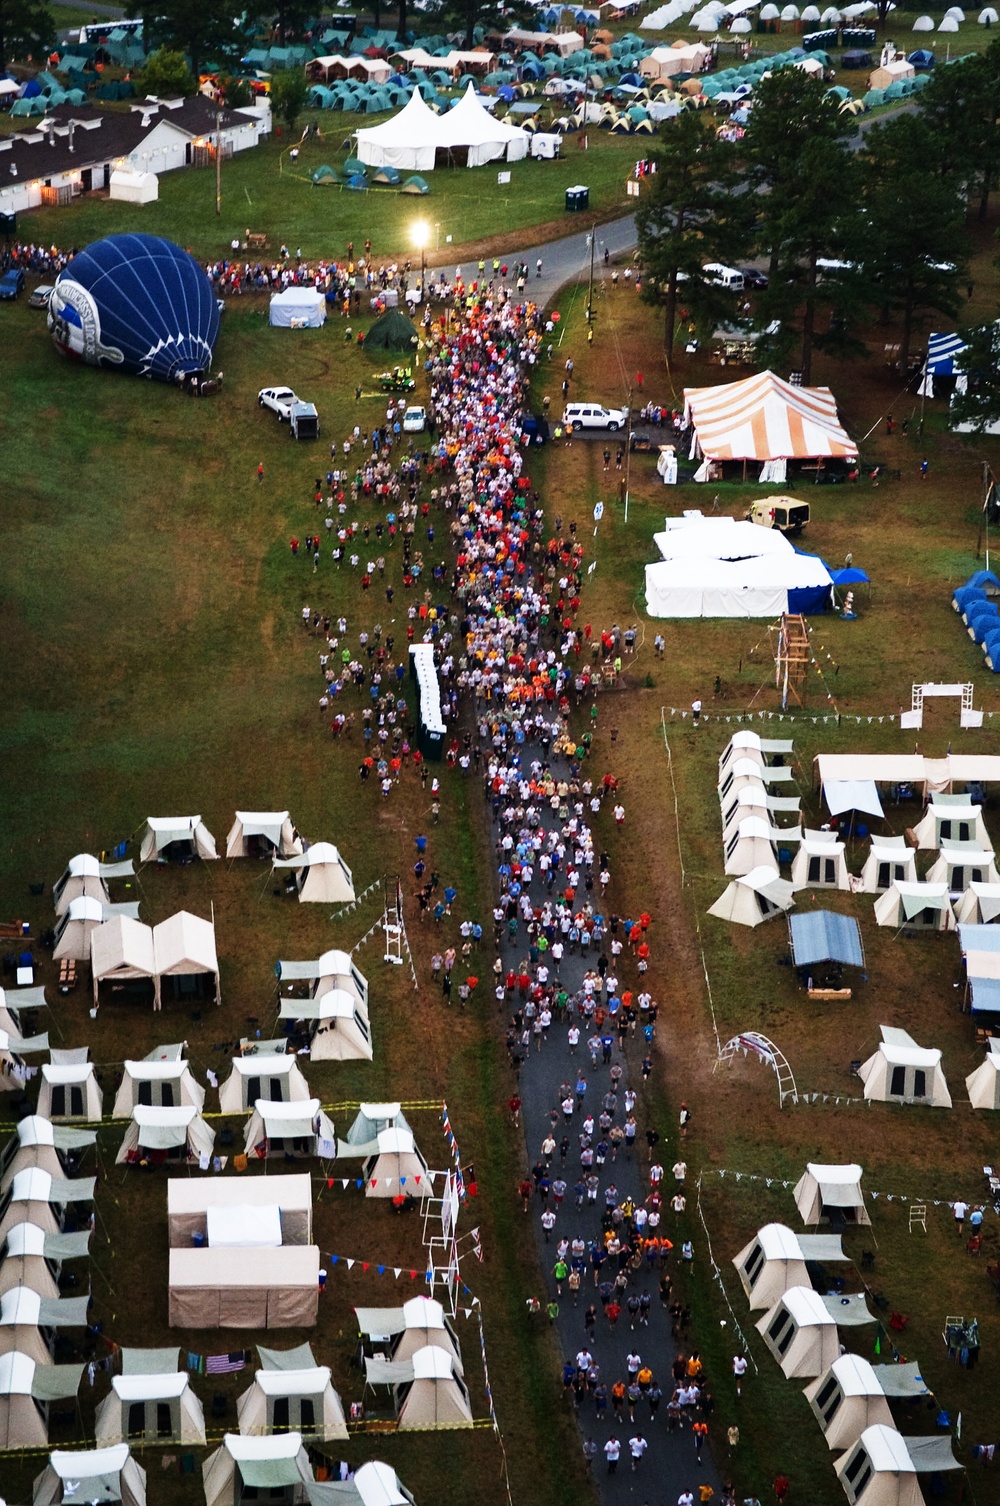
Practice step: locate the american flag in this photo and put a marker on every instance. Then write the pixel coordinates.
(225, 1364)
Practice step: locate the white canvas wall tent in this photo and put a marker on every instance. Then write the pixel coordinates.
(754, 897)
(831, 1194)
(951, 818)
(41, 1143)
(321, 875)
(79, 919)
(890, 861)
(28, 1321)
(775, 1259)
(35, 1197)
(121, 952)
(253, 1286)
(299, 1399)
(983, 1085)
(900, 1071)
(753, 843)
(69, 1090)
(185, 957)
(262, 834)
(369, 1122)
(340, 1027)
(853, 1395)
(979, 905)
(190, 1200)
(258, 1468)
(290, 1129)
(820, 862)
(275, 1078)
(173, 838)
(335, 969)
(85, 877)
(80, 1478)
(883, 1467)
(784, 812)
(800, 1332)
(26, 1388)
(151, 1401)
(916, 907)
(745, 744)
(157, 1084)
(743, 773)
(428, 1389)
(396, 1167)
(157, 1134)
(374, 1484)
(297, 307)
(962, 863)
(401, 1331)
(31, 1257)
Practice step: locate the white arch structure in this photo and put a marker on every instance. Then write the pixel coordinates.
(752, 1043)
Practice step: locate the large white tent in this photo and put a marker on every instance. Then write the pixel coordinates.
(411, 140)
(297, 307)
(406, 142)
(69, 1090)
(983, 1085)
(722, 567)
(157, 1133)
(916, 907)
(275, 1078)
(299, 1128)
(164, 1084)
(321, 875)
(245, 1467)
(754, 897)
(470, 127)
(752, 845)
(951, 818)
(26, 1389)
(932, 776)
(831, 1194)
(295, 1395)
(883, 1468)
(121, 951)
(341, 1030)
(151, 1400)
(254, 1286)
(820, 862)
(775, 1259)
(88, 1475)
(168, 837)
(765, 418)
(900, 1071)
(852, 1395)
(261, 834)
(85, 877)
(184, 951)
(890, 861)
(190, 1200)
(81, 917)
(800, 1332)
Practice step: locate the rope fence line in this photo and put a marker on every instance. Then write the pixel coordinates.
(717, 1273)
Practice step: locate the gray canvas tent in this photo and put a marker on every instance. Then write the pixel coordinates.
(26, 1388)
(883, 1467)
(86, 1477)
(800, 1332)
(292, 1393)
(81, 917)
(817, 936)
(161, 1084)
(169, 837)
(852, 1396)
(397, 1166)
(262, 834)
(775, 1259)
(321, 875)
(392, 331)
(274, 1078)
(831, 1194)
(151, 1401)
(178, 1134)
(900, 1071)
(374, 1484)
(86, 878)
(31, 1257)
(249, 1467)
(341, 1029)
(290, 1129)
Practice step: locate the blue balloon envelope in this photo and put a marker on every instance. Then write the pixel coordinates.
(138, 303)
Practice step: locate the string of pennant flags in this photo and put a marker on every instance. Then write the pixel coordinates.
(465, 1187)
(785, 1183)
(413, 1273)
(787, 716)
(349, 909)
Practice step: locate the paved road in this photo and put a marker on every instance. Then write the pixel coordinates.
(568, 260)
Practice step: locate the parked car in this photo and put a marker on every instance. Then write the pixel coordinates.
(414, 421)
(722, 276)
(786, 514)
(12, 284)
(593, 416)
(280, 400)
(754, 279)
(39, 299)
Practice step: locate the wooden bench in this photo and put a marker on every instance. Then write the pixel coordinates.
(67, 975)
(256, 241)
(824, 995)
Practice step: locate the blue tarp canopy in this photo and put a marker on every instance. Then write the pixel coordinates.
(849, 577)
(984, 995)
(823, 936)
(941, 353)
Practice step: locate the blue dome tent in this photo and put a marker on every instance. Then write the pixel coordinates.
(137, 302)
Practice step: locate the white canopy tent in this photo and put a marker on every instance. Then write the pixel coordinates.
(916, 907)
(260, 834)
(960, 864)
(274, 1078)
(121, 951)
(890, 861)
(69, 1090)
(255, 1286)
(979, 905)
(26, 1388)
(724, 567)
(404, 1330)
(79, 919)
(883, 1467)
(85, 877)
(983, 1085)
(341, 1030)
(800, 1333)
(271, 1464)
(932, 776)
(396, 1167)
(173, 1133)
(157, 1084)
(900, 1071)
(411, 140)
(951, 818)
(289, 1129)
(775, 1259)
(184, 950)
(167, 837)
(820, 862)
(152, 1406)
(825, 1194)
(765, 418)
(297, 307)
(852, 1395)
(754, 897)
(80, 1477)
(369, 1122)
(302, 1400)
(321, 875)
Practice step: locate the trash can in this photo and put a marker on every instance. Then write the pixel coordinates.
(577, 199)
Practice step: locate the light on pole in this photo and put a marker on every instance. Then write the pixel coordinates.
(421, 235)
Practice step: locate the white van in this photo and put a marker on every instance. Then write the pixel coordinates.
(722, 276)
(593, 416)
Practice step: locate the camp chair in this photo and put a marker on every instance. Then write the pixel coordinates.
(898, 1322)
(918, 1217)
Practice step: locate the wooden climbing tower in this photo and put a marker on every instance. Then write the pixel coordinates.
(793, 657)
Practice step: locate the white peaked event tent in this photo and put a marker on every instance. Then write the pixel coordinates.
(261, 834)
(87, 878)
(775, 1259)
(297, 308)
(900, 1071)
(26, 1388)
(852, 1395)
(374, 1484)
(157, 1084)
(820, 863)
(406, 142)
(121, 951)
(962, 863)
(341, 1028)
(825, 1194)
(180, 1133)
(983, 1085)
(920, 906)
(883, 1467)
(469, 125)
(175, 837)
(722, 567)
(151, 1400)
(951, 818)
(276, 1078)
(321, 875)
(263, 1466)
(889, 861)
(418, 1323)
(397, 1166)
(765, 418)
(296, 1395)
(69, 1090)
(411, 140)
(753, 897)
(800, 1332)
(31, 1257)
(100, 1474)
(979, 905)
(81, 917)
(184, 948)
(282, 1129)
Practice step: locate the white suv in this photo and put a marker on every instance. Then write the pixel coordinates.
(593, 416)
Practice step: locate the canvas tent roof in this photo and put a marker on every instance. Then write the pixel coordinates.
(916, 904)
(396, 1166)
(162, 831)
(184, 944)
(85, 874)
(822, 936)
(824, 1189)
(852, 795)
(274, 826)
(154, 1128)
(323, 1417)
(169, 1081)
(122, 949)
(322, 876)
(754, 897)
(722, 567)
(961, 863)
(244, 1084)
(763, 417)
(78, 1477)
(271, 1463)
(847, 1399)
(53, 1100)
(931, 775)
(979, 905)
(983, 1085)
(251, 1287)
(900, 1071)
(889, 861)
(300, 1120)
(137, 1402)
(951, 819)
(775, 1259)
(882, 1467)
(800, 1332)
(23, 1382)
(79, 919)
(189, 1201)
(820, 862)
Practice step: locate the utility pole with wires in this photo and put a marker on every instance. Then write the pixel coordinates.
(590, 288)
(218, 161)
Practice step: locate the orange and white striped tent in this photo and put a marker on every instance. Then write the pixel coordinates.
(765, 418)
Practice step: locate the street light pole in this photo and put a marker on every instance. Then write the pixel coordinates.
(218, 161)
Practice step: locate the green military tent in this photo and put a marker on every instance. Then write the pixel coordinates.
(393, 331)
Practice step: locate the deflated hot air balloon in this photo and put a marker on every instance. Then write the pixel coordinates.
(139, 303)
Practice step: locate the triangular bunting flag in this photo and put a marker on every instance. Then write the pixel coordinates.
(397, 1271)
(366, 1265)
(380, 1269)
(334, 1259)
(346, 1182)
(351, 1264)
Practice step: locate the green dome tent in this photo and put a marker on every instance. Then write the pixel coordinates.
(393, 331)
(415, 185)
(387, 175)
(325, 174)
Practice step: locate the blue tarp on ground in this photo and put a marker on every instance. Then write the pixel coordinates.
(823, 936)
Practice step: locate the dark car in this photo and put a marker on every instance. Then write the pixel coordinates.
(752, 278)
(12, 284)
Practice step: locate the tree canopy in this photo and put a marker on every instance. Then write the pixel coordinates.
(26, 30)
(167, 75)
